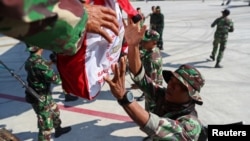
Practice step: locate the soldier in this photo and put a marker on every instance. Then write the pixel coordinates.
(174, 117)
(138, 9)
(224, 25)
(40, 76)
(150, 15)
(151, 60)
(157, 23)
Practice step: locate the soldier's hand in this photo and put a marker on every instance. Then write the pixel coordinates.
(117, 84)
(135, 30)
(99, 17)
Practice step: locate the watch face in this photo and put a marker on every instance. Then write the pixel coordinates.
(130, 96)
(127, 98)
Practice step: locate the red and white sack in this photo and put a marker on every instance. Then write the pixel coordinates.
(82, 74)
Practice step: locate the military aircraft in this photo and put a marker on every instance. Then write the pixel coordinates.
(227, 2)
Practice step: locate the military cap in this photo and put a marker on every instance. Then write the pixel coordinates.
(226, 12)
(151, 35)
(158, 8)
(190, 77)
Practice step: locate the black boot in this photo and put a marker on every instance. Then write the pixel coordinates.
(212, 57)
(217, 65)
(59, 131)
(69, 97)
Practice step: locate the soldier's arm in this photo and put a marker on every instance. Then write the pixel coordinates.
(48, 73)
(231, 26)
(156, 61)
(163, 24)
(215, 22)
(165, 128)
(158, 71)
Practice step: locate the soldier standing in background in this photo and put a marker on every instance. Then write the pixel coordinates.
(138, 9)
(157, 23)
(224, 25)
(150, 15)
(151, 60)
(39, 78)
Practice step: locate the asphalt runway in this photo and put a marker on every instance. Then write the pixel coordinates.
(187, 39)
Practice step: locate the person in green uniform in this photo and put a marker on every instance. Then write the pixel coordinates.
(40, 75)
(174, 116)
(157, 23)
(151, 59)
(224, 25)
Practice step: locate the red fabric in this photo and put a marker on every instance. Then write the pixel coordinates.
(72, 72)
(127, 7)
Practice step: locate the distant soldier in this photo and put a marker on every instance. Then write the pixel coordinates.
(157, 23)
(39, 78)
(142, 15)
(150, 15)
(224, 25)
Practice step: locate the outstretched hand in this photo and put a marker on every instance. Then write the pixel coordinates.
(133, 32)
(117, 84)
(99, 17)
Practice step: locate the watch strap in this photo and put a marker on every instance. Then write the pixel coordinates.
(125, 100)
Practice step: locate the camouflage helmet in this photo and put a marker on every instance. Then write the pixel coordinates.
(190, 77)
(151, 35)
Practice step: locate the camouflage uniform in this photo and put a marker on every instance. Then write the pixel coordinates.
(224, 25)
(50, 24)
(40, 76)
(169, 121)
(152, 62)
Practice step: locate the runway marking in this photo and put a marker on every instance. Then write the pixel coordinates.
(77, 110)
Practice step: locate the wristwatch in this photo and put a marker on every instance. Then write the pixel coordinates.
(127, 98)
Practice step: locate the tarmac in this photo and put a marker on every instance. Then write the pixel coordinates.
(187, 40)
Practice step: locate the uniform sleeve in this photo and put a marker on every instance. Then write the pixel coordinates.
(231, 26)
(184, 128)
(215, 22)
(147, 85)
(157, 67)
(48, 73)
(50, 24)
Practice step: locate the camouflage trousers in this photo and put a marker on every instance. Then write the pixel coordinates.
(222, 48)
(48, 115)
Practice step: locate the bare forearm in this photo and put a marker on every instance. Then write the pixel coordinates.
(138, 114)
(134, 59)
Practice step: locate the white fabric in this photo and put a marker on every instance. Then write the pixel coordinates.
(100, 54)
